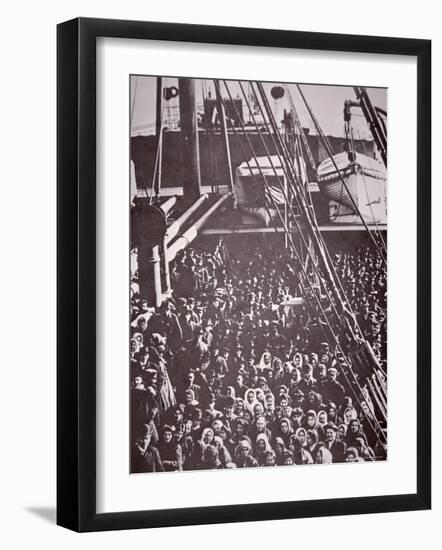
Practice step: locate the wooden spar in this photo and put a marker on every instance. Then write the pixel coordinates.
(189, 235)
(159, 133)
(177, 225)
(167, 206)
(189, 140)
(223, 123)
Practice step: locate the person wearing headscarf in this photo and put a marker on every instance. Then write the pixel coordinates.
(238, 408)
(243, 455)
(284, 430)
(240, 429)
(323, 456)
(134, 348)
(206, 440)
(310, 420)
(332, 414)
(262, 445)
(279, 448)
(265, 363)
(352, 455)
(354, 431)
(341, 433)
(223, 453)
(312, 441)
(269, 405)
(250, 400)
(260, 427)
(364, 451)
(297, 361)
(298, 447)
(210, 459)
(187, 444)
(321, 422)
(314, 400)
(170, 450)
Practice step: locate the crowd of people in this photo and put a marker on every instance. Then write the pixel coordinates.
(225, 374)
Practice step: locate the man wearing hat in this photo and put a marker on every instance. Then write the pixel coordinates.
(332, 390)
(307, 382)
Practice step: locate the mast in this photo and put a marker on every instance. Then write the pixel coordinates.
(159, 133)
(223, 123)
(189, 140)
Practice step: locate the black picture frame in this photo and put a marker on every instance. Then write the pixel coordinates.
(76, 272)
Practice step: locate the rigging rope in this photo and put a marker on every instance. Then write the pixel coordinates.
(355, 381)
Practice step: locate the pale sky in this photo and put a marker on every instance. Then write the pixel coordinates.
(327, 103)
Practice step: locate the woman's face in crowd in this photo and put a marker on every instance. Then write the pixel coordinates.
(347, 415)
(167, 436)
(297, 361)
(284, 427)
(301, 437)
(216, 427)
(208, 436)
(288, 461)
(354, 426)
(266, 358)
(239, 407)
(133, 345)
(250, 397)
(278, 448)
(322, 418)
(350, 457)
(260, 424)
(239, 428)
(310, 441)
(270, 460)
(229, 392)
(319, 457)
(341, 433)
(311, 421)
(261, 444)
(258, 409)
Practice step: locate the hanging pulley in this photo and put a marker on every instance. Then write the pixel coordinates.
(170, 92)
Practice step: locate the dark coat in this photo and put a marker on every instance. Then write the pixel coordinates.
(147, 461)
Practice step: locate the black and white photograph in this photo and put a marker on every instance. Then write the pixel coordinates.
(258, 263)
